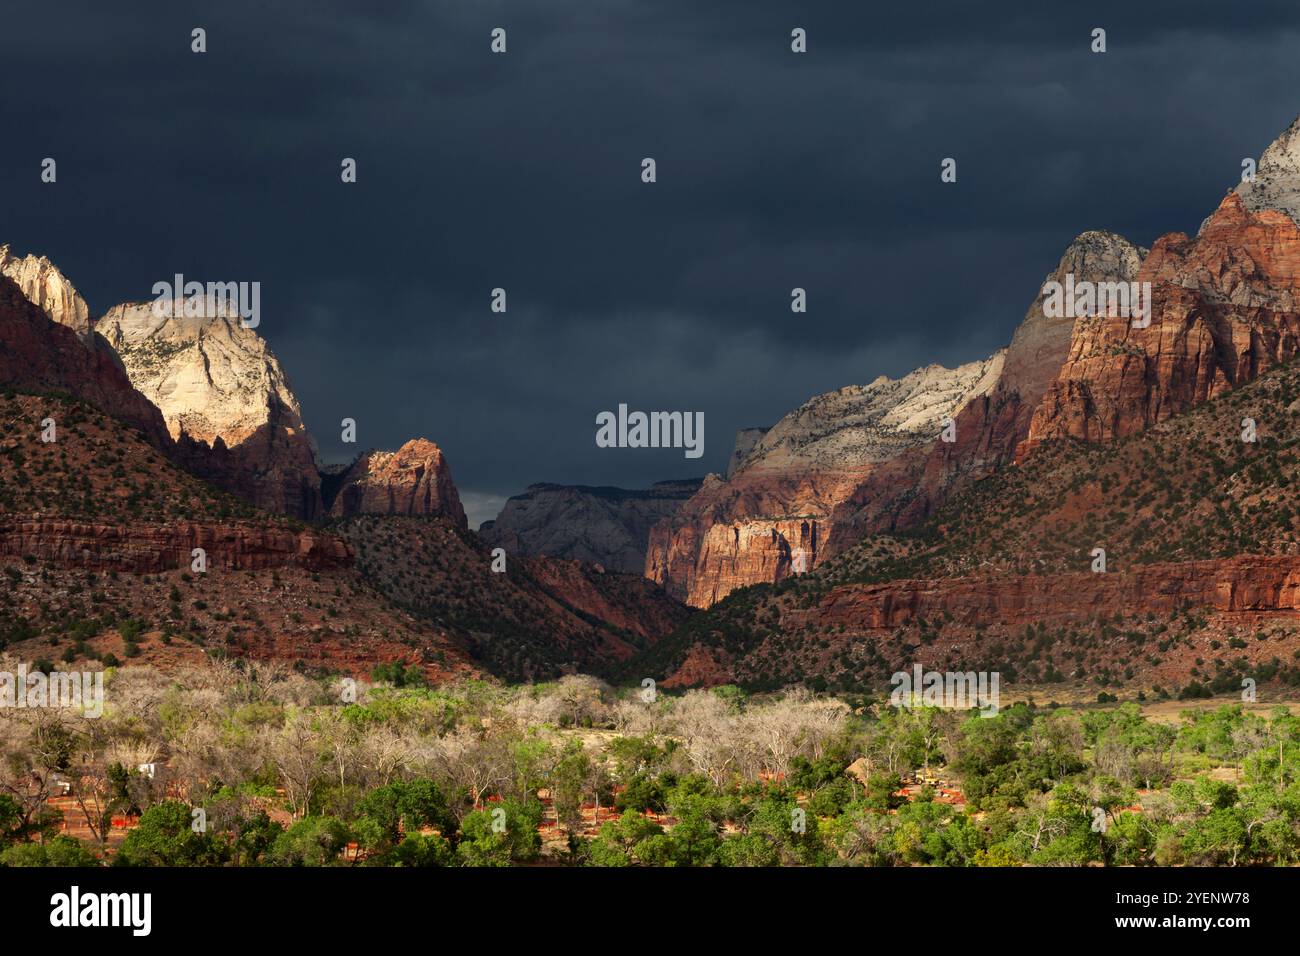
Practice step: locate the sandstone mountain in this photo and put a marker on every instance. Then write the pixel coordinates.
(97, 539)
(606, 526)
(39, 355)
(48, 289)
(1277, 177)
(414, 480)
(107, 509)
(746, 439)
(988, 429)
(225, 399)
(1101, 437)
(1225, 310)
(1201, 584)
(771, 517)
(102, 510)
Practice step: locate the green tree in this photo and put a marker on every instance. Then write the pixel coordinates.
(423, 849)
(501, 834)
(312, 841)
(165, 837)
(62, 850)
(387, 813)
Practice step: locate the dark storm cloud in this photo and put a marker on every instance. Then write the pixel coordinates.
(522, 171)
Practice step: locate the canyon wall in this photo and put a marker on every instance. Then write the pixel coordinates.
(605, 526)
(773, 515)
(225, 399)
(151, 548)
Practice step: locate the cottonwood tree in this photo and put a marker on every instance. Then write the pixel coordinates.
(823, 722)
(477, 760)
(887, 745)
(296, 752)
(710, 733)
(925, 729)
(640, 718)
(38, 748)
(777, 728)
(532, 707)
(97, 785)
(387, 755)
(570, 783)
(582, 698)
(1058, 739)
(532, 759)
(1139, 754)
(1040, 824)
(339, 739)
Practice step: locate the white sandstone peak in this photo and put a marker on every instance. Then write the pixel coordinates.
(211, 377)
(1277, 177)
(861, 424)
(48, 289)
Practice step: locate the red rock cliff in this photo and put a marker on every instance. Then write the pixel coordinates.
(770, 517)
(1225, 310)
(38, 354)
(150, 548)
(414, 480)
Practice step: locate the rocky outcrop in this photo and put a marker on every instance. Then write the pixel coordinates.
(226, 401)
(150, 548)
(414, 480)
(1241, 584)
(989, 428)
(772, 516)
(981, 623)
(1277, 178)
(49, 290)
(38, 354)
(605, 526)
(1224, 311)
(746, 440)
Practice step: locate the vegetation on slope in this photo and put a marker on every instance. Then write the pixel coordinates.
(576, 773)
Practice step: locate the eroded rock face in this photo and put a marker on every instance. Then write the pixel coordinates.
(414, 480)
(746, 440)
(1246, 583)
(772, 517)
(38, 354)
(605, 526)
(1235, 592)
(48, 289)
(225, 399)
(988, 428)
(1224, 311)
(150, 548)
(1277, 178)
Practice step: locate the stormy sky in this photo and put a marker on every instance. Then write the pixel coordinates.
(522, 171)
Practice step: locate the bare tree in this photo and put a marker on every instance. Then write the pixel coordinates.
(296, 752)
(709, 733)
